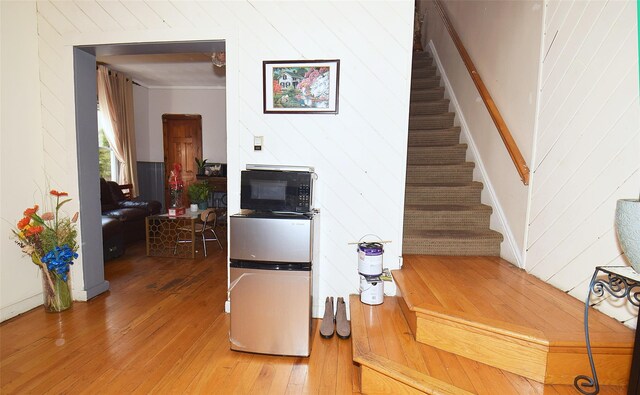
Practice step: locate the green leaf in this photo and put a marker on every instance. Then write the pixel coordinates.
(62, 202)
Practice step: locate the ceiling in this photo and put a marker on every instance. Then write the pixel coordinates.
(166, 64)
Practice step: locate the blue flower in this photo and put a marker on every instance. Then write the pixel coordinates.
(59, 259)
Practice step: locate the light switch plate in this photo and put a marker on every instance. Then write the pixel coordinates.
(257, 143)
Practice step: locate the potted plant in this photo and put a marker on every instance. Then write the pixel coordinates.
(199, 194)
(201, 165)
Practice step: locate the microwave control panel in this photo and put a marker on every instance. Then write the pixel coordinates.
(304, 195)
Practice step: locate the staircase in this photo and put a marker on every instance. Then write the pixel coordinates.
(466, 321)
(443, 214)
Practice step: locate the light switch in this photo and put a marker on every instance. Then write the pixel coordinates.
(257, 143)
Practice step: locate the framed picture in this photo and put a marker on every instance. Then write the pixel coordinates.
(301, 86)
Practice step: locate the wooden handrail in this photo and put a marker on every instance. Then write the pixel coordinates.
(505, 134)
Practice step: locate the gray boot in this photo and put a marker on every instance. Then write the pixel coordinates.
(327, 326)
(343, 328)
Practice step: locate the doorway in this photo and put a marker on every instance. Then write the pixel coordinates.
(182, 138)
(84, 59)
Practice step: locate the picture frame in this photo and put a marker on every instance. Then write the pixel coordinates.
(301, 86)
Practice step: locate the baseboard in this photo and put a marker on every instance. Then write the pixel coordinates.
(509, 250)
(84, 295)
(20, 307)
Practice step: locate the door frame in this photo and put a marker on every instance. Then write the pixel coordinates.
(88, 273)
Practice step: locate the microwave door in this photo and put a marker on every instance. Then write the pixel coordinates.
(263, 190)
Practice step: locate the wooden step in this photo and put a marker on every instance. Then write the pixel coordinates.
(429, 107)
(443, 193)
(454, 173)
(436, 155)
(392, 362)
(434, 137)
(440, 121)
(486, 309)
(451, 242)
(446, 217)
(418, 95)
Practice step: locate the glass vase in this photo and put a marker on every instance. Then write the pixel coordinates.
(56, 293)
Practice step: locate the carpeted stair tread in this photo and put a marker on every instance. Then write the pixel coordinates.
(452, 242)
(450, 173)
(448, 207)
(422, 71)
(439, 121)
(446, 217)
(422, 60)
(425, 83)
(426, 94)
(443, 193)
(431, 107)
(434, 137)
(430, 155)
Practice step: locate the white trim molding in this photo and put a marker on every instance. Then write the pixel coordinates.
(21, 307)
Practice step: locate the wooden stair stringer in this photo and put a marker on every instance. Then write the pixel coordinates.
(514, 348)
(382, 375)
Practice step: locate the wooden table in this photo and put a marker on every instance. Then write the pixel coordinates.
(163, 232)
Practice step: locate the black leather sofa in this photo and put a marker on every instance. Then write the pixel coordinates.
(129, 214)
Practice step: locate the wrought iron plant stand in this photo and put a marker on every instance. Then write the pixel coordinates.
(621, 282)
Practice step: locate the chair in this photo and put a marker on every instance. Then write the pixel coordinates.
(209, 221)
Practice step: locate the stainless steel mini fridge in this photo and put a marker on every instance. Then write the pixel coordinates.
(271, 283)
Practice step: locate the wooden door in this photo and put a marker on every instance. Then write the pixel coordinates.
(182, 137)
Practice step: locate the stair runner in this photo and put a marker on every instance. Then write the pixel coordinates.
(443, 214)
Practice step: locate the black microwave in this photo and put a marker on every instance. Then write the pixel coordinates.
(265, 189)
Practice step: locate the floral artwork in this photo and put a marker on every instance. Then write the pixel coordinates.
(49, 239)
(301, 86)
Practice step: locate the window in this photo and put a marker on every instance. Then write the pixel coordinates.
(107, 162)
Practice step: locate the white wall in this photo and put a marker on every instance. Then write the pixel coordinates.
(210, 103)
(503, 40)
(588, 144)
(21, 164)
(359, 154)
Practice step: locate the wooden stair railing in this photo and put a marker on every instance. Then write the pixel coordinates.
(505, 134)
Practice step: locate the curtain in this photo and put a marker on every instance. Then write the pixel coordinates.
(115, 98)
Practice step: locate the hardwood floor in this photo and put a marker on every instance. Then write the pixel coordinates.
(160, 329)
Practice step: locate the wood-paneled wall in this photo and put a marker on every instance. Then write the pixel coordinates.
(359, 154)
(588, 143)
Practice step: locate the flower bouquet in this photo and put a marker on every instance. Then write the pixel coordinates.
(50, 240)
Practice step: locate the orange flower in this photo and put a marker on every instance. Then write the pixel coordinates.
(23, 222)
(75, 217)
(30, 211)
(48, 216)
(58, 194)
(34, 230)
